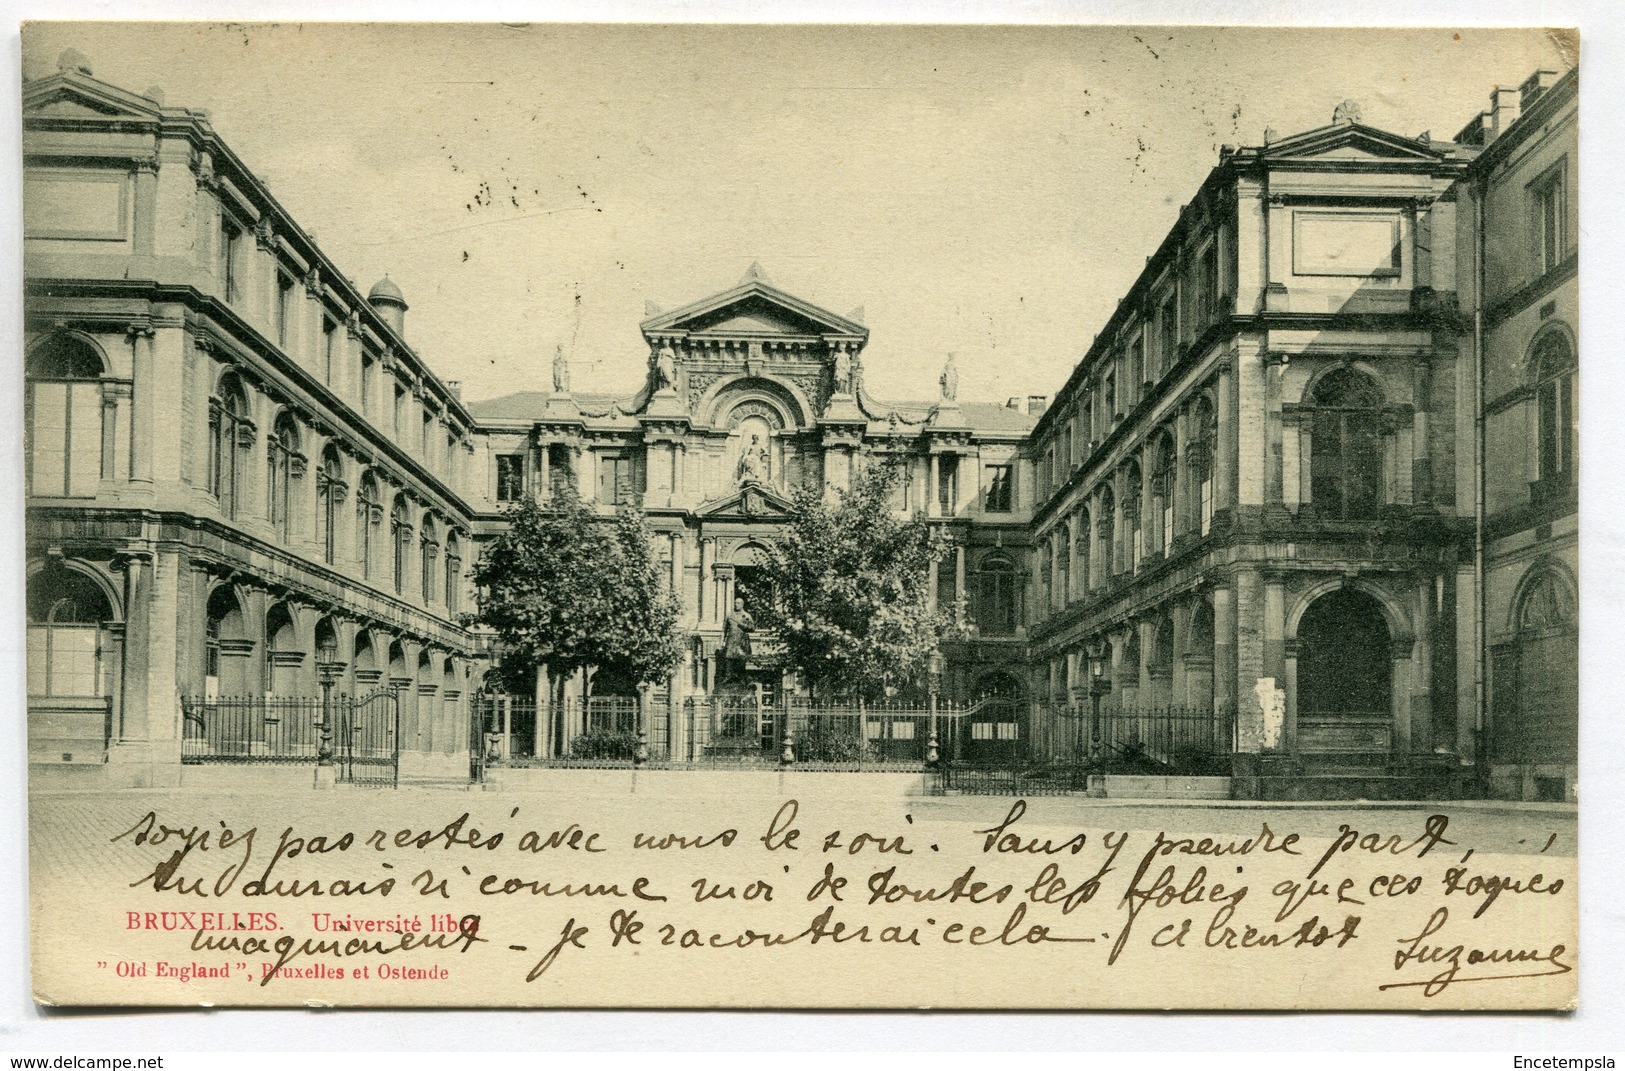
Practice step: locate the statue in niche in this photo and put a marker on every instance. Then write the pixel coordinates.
(843, 372)
(950, 380)
(736, 652)
(561, 371)
(752, 466)
(665, 377)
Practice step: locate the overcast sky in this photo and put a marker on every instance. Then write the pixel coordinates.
(989, 191)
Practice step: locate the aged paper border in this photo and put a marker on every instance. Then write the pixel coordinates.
(1594, 1027)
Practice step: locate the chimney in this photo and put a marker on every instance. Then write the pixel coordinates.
(1014, 403)
(1533, 86)
(1503, 110)
(1036, 404)
(455, 388)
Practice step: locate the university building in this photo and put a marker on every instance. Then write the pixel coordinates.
(1256, 500)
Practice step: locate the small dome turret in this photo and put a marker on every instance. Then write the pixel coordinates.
(390, 303)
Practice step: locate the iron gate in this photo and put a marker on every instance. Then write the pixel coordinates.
(367, 738)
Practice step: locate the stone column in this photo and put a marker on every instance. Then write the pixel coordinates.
(1224, 647)
(959, 571)
(1249, 615)
(147, 398)
(1274, 646)
(1421, 699)
(143, 239)
(1291, 454)
(932, 505)
(1224, 461)
(1421, 456)
(1274, 432)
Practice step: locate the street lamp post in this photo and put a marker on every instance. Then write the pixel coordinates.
(933, 753)
(1099, 685)
(328, 668)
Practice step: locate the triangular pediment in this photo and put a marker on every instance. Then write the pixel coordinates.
(1351, 141)
(752, 502)
(72, 96)
(754, 308)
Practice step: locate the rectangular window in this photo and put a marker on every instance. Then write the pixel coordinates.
(1108, 393)
(947, 584)
(400, 410)
(1549, 211)
(330, 334)
(615, 479)
(947, 483)
(367, 366)
(1168, 333)
(1000, 497)
(428, 435)
(510, 477)
(63, 422)
(231, 240)
(284, 310)
(1136, 365)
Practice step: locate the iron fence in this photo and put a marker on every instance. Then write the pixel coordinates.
(362, 733)
(717, 731)
(238, 729)
(1080, 742)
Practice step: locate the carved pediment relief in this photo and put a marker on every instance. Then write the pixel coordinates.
(753, 502)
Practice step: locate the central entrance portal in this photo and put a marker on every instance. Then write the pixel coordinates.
(1345, 681)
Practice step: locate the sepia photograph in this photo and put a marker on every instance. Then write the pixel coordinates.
(772, 516)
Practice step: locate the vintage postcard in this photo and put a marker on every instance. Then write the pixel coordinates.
(791, 516)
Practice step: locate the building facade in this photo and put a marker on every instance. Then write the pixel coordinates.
(1256, 496)
(1249, 486)
(238, 471)
(1520, 281)
(753, 395)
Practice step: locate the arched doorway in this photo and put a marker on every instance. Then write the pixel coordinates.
(1345, 680)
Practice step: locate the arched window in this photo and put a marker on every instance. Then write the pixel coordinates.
(330, 495)
(1081, 537)
(63, 417)
(1063, 565)
(997, 581)
(1346, 457)
(454, 573)
(1162, 491)
(230, 434)
(1553, 368)
(1534, 679)
(400, 527)
(1203, 458)
(1131, 516)
(1104, 531)
(284, 465)
(1129, 667)
(369, 514)
(1046, 571)
(430, 551)
(67, 613)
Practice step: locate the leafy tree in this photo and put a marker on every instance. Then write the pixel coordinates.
(848, 599)
(564, 590)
